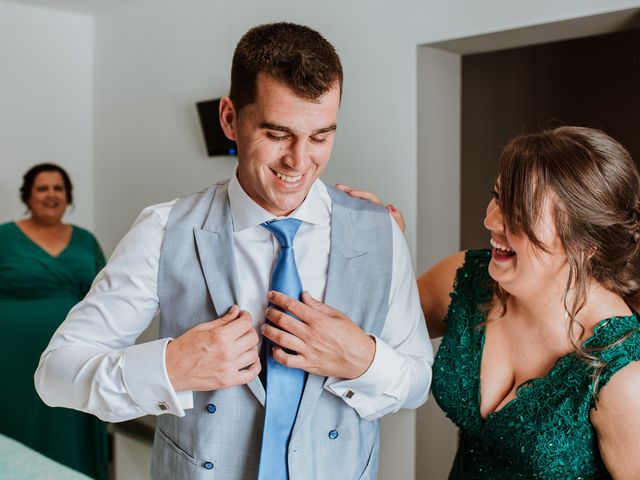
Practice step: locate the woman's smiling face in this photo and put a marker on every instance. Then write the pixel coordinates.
(48, 198)
(517, 264)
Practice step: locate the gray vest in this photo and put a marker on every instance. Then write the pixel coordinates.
(197, 281)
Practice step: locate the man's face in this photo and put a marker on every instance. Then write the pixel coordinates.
(284, 142)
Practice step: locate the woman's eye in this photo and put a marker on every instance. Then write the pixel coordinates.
(495, 195)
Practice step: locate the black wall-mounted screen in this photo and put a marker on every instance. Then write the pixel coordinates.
(214, 138)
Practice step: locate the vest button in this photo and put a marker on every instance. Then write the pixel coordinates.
(333, 434)
(211, 408)
(208, 465)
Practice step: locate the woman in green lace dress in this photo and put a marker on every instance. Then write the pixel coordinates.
(539, 364)
(46, 267)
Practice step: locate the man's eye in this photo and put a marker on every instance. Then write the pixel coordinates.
(318, 139)
(273, 136)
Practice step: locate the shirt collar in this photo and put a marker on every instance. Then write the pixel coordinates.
(315, 209)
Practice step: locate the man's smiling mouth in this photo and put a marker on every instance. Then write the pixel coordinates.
(286, 178)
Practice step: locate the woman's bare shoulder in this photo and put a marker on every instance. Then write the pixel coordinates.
(435, 287)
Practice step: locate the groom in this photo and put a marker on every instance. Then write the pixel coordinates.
(270, 270)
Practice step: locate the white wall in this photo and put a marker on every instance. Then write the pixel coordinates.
(46, 102)
(438, 172)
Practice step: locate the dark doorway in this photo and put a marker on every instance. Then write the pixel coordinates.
(592, 81)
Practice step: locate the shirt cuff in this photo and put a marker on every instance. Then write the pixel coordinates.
(373, 392)
(150, 387)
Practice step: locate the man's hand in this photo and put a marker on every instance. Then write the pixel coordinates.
(216, 354)
(327, 342)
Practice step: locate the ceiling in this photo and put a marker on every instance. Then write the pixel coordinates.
(90, 7)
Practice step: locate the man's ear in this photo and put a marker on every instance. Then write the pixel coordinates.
(228, 118)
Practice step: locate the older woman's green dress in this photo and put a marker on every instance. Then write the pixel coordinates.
(37, 291)
(545, 432)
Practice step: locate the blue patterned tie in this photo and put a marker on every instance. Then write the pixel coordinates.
(284, 385)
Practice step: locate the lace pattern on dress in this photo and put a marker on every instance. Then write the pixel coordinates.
(544, 433)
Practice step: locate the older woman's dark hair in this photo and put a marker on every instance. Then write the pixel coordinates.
(32, 173)
(296, 55)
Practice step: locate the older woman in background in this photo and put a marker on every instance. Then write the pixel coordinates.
(46, 267)
(539, 364)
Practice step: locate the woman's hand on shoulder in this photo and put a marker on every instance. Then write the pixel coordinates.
(435, 287)
(617, 423)
(365, 195)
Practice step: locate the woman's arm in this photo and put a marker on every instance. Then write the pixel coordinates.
(435, 287)
(617, 423)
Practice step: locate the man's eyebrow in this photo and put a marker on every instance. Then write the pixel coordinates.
(280, 128)
(332, 128)
(273, 126)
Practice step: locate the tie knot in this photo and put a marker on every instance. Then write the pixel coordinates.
(284, 230)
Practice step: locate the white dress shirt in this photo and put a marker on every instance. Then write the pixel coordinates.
(93, 364)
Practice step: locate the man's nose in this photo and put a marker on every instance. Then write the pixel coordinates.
(493, 220)
(298, 156)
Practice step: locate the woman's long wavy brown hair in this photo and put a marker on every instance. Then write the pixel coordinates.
(596, 190)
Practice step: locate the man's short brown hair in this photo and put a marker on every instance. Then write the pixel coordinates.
(296, 55)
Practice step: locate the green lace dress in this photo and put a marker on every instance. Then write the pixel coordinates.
(544, 433)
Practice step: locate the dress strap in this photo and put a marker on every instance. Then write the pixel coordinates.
(472, 289)
(617, 341)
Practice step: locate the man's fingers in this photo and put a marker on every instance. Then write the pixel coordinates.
(287, 359)
(248, 374)
(282, 338)
(308, 300)
(231, 315)
(289, 304)
(237, 327)
(286, 322)
(248, 358)
(305, 310)
(247, 341)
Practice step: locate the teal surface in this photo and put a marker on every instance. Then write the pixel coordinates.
(18, 462)
(544, 433)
